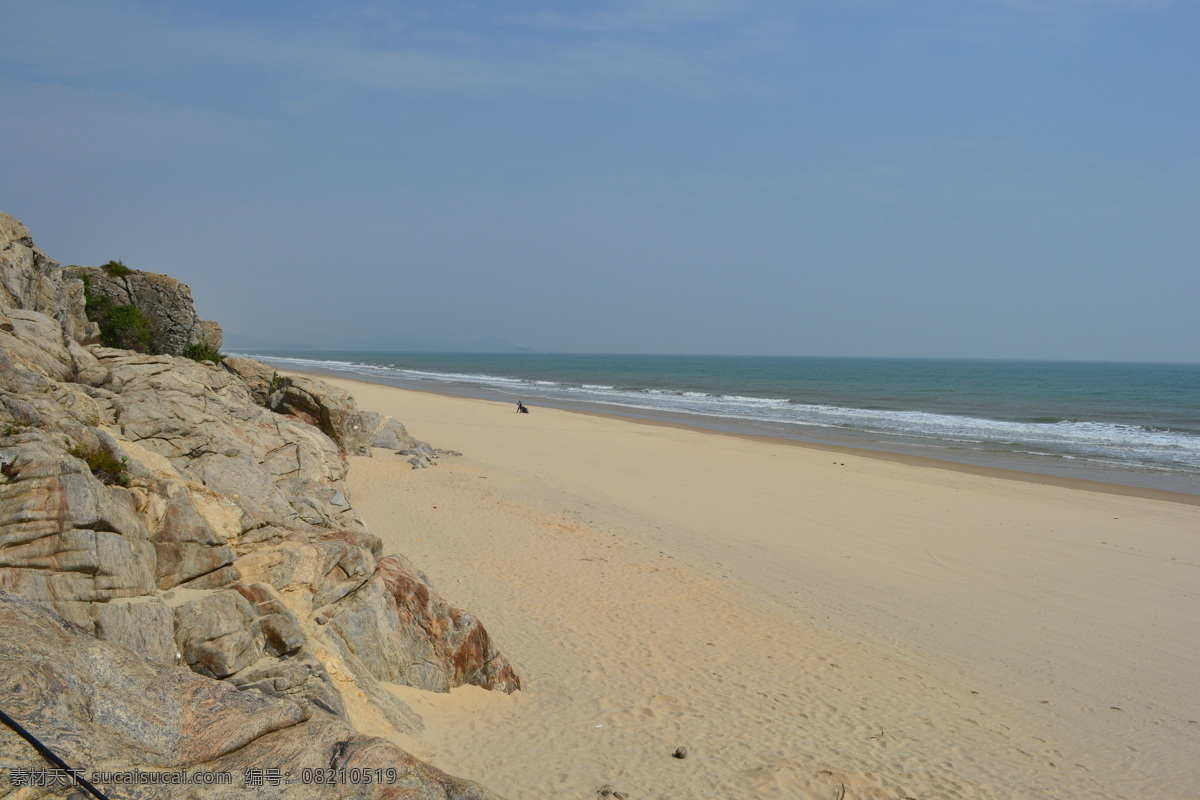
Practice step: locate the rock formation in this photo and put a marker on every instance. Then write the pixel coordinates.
(197, 516)
(387, 433)
(165, 302)
(315, 402)
(31, 281)
(102, 708)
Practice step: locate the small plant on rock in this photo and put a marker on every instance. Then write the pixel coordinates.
(104, 465)
(116, 269)
(275, 391)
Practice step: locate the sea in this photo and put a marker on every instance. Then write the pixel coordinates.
(1135, 424)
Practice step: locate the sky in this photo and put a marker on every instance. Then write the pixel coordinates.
(909, 178)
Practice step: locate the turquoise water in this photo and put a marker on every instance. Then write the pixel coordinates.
(1137, 424)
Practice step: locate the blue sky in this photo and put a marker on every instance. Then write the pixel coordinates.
(957, 178)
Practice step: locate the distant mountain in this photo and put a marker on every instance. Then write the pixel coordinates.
(398, 342)
(244, 341)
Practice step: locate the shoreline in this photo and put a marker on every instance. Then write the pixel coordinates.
(928, 462)
(800, 623)
(981, 448)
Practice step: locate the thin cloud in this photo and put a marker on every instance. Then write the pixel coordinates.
(1076, 10)
(643, 15)
(66, 124)
(1043, 5)
(359, 52)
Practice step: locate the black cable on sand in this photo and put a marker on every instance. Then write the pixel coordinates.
(49, 755)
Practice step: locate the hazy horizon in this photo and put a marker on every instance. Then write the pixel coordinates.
(277, 349)
(987, 179)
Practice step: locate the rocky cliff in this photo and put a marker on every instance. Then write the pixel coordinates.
(31, 281)
(187, 527)
(166, 304)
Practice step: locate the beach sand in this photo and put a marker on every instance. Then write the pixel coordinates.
(808, 623)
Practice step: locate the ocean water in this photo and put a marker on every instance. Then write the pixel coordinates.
(1135, 424)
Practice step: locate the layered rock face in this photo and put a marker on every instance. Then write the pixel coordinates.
(31, 281)
(159, 505)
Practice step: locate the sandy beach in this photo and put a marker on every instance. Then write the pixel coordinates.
(808, 623)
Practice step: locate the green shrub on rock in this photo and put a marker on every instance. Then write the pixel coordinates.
(125, 327)
(202, 351)
(116, 269)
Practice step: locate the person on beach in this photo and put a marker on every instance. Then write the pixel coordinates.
(521, 409)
